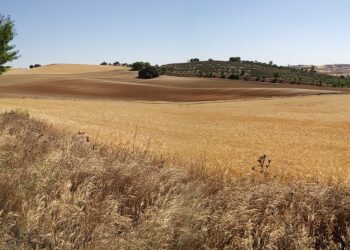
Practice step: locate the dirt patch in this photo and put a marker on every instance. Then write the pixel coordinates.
(146, 91)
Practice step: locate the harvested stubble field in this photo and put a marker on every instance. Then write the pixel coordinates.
(210, 197)
(62, 191)
(305, 135)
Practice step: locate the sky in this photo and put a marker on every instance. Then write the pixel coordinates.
(167, 31)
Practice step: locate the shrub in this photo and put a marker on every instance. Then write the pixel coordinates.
(211, 75)
(103, 63)
(136, 66)
(148, 72)
(37, 65)
(276, 75)
(234, 77)
(31, 66)
(194, 60)
(235, 59)
(300, 79)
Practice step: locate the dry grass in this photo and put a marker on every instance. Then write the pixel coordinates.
(62, 191)
(305, 136)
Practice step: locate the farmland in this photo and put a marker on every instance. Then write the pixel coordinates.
(298, 133)
(209, 125)
(257, 71)
(110, 83)
(109, 158)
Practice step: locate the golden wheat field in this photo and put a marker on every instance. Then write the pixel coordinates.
(306, 136)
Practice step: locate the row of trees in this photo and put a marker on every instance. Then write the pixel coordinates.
(231, 59)
(114, 64)
(34, 66)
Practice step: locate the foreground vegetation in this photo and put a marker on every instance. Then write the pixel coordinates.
(254, 71)
(62, 191)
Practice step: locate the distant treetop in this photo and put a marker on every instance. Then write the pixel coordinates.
(235, 59)
(194, 60)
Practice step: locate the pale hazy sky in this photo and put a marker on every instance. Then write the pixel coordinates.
(162, 31)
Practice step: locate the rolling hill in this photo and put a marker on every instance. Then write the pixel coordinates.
(119, 83)
(248, 70)
(334, 69)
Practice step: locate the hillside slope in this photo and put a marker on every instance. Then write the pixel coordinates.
(119, 83)
(249, 70)
(334, 69)
(62, 191)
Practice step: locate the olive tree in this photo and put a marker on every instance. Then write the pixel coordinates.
(7, 33)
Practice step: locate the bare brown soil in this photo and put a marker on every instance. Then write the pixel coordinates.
(122, 84)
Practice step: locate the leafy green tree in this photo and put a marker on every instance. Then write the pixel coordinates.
(7, 33)
(234, 76)
(136, 66)
(235, 59)
(300, 79)
(103, 63)
(148, 72)
(194, 60)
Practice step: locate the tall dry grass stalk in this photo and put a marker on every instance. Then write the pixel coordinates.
(61, 191)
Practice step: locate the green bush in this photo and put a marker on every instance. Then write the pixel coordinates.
(235, 59)
(148, 72)
(194, 60)
(276, 75)
(136, 66)
(234, 77)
